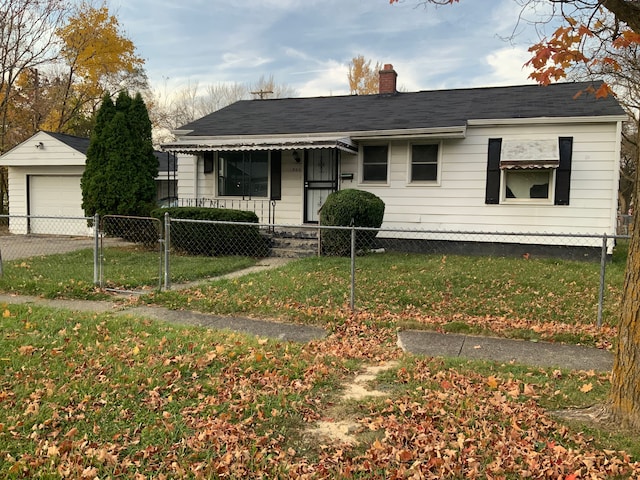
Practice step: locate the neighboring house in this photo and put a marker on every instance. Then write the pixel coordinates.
(44, 175)
(503, 159)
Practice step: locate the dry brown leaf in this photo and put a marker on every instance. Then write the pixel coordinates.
(586, 388)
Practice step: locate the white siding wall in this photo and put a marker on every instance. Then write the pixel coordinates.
(52, 152)
(187, 165)
(458, 202)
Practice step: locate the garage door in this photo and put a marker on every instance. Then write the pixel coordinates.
(56, 196)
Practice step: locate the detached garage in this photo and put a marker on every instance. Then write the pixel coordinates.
(44, 181)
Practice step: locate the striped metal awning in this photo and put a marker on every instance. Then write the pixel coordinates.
(530, 153)
(270, 143)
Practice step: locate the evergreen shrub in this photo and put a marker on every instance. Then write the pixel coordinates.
(346, 208)
(213, 239)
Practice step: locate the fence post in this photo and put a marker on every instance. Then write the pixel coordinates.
(603, 270)
(96, 249)
(353, 266)
(167, 242)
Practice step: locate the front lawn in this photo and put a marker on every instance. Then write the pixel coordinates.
(535, 299)
(70, 275)
(106, 396)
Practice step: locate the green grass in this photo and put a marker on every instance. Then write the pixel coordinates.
(551, 389)
(67, 275)
(114, 396)
(536, 299)
(70, 275)
(82, 391)
(457, 293)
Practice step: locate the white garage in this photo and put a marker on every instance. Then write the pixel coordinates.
(44, 175)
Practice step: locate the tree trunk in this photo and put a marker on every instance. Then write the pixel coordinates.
(624, 399)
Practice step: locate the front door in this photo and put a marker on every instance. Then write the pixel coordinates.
(320, 179)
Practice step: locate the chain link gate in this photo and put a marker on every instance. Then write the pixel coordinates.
(131, 253)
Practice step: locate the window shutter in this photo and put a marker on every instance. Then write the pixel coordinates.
(492, 193)
(276, 175)
(208, 162)
(563, 172)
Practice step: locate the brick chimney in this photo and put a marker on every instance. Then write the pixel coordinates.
(387, 80)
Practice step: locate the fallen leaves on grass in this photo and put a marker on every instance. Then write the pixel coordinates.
(358, 335)
(120, 397)
(456, 427)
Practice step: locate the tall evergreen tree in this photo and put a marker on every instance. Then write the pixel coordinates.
(119, 178)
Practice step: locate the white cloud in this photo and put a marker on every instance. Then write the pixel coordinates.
(307, 44)
(327, 81)
(507, 67)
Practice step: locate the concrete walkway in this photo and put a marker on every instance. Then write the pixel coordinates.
(504, 350)
(541, 354)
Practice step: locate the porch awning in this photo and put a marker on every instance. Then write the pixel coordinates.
(530, 153)
(271, 143)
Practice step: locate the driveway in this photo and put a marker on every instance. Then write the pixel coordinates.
(13, 247)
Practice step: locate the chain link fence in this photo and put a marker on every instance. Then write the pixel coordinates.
(213, 239)
(32, 247)
(134, 262)
(139, 254)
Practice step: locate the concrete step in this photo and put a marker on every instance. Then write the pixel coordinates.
(289, 247)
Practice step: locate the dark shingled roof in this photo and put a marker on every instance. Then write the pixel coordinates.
(80, 144)
(426, 109)
(166, 161)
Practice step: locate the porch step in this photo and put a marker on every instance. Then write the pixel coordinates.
(293, 245)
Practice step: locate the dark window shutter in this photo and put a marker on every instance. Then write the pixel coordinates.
(276, 175)
(208, 162)
(563, 172)
(492, 193)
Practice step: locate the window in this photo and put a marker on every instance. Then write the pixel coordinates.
(527, 184)
(533, 171)
(424, 163)
(243, 174)
(374, 163)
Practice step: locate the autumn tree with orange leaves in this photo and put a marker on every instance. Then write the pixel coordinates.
(97, 59)
(594, 35)
(363, 78)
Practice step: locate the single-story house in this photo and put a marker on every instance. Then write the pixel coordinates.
(44, 175)
(524, 158)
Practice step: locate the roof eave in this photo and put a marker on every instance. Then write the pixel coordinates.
(458, 131)
(487, 122)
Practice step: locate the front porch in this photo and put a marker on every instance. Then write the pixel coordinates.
(283, 181)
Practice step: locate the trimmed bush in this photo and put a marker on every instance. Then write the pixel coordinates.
(345, 208)
(143, 230)
(213, 239)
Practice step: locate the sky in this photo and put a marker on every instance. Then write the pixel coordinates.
(308, 44)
